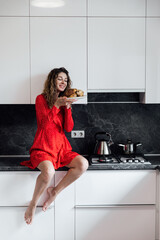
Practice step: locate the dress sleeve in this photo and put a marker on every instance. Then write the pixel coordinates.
(68, 120)
(43, 113)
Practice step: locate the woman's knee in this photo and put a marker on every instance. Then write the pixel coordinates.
(82, 164)
(47, 175)
(47, 171)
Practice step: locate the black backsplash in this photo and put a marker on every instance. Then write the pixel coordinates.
(113, 97)
(140, 122)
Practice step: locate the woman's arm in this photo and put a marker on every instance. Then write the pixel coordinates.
(68, 120)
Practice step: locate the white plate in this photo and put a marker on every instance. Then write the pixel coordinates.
(76, 98)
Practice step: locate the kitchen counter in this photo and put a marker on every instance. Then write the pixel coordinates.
(13, 164)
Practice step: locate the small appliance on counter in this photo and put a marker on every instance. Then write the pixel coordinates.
(103, 143)
(104, 155)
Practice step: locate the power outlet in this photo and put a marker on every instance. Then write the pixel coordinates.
(77, 134)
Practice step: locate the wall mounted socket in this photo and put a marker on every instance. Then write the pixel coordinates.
(78, 134)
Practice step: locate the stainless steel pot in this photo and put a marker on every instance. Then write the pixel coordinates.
(129, 147)
(103, 143)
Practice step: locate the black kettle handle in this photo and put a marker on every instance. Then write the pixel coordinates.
(98, 133)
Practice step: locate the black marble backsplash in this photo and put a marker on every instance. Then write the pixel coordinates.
(140, 122)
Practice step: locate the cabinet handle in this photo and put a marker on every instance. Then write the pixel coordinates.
(5, 206)
(113, 205)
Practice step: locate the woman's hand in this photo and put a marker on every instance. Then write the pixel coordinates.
(63, 101)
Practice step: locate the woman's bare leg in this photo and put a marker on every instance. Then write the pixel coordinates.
(76, 168)
(47, 172)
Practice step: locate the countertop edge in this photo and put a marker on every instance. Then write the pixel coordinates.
(8, 163)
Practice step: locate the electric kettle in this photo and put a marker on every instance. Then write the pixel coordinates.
(103, 143)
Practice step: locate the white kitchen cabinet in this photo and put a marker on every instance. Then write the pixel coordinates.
(152, 94)
(16, 188)
(13, 226)
(115, 223)
(153, 8)
(116, 187)
(58, 42)
(116, 55)
(64, 210)
(14, 60)
(116, 205)
(64, 8)
(14, 8)
(116, 8)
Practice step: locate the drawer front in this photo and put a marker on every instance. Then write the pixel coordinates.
(116, 223)
(13, 226)
(16, 188)
(116, 187)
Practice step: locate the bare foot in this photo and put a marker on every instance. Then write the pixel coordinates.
(52, 195)
(29, 214)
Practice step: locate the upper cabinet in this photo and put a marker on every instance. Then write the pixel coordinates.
(116, 8)
(58, 42)
(106, 45)
(152, 94)
(116, 54)
(14, 60)
(153, 8)
(58, 8)
(14, 7)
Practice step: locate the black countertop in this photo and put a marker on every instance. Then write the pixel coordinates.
(13, 164)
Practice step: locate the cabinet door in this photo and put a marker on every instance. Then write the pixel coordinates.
(116, 54)
(58, 8)
(116, 187)
(153, 61)
(13, 226)
(123, 223)
(64, 210)
(14, 60)
(16, 188)
(153, 8)
(57, 42)
(14, 8)
(116, 8)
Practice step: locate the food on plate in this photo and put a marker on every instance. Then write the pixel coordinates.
(73, 95)
(73, 92)
(70, 92)
(80, 93)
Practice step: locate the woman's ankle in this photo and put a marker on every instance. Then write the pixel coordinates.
(33, 204)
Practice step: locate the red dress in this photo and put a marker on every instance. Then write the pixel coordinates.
(50, 142)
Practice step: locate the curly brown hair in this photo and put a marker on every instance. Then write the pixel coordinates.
(49, 90)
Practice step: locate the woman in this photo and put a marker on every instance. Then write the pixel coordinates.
(51, 149)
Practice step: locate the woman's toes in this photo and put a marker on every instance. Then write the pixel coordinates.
(51, 197)
(29, 214)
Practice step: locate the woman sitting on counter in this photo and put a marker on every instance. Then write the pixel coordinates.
(51, 149)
